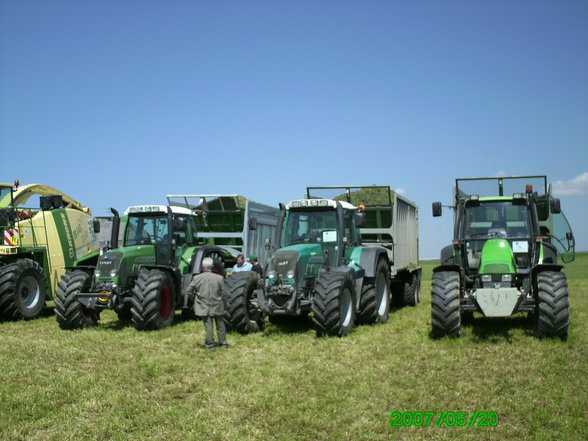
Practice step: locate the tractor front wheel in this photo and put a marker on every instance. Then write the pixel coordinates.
(243, 315)
(552, 312)
(22, 290)
(333, 305)
(445, 314)
(153, 301)
(69, 312)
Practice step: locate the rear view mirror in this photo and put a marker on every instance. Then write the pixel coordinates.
(437, 210)
(359, 220)
(555, 206)
(96, 226)
(178, 224)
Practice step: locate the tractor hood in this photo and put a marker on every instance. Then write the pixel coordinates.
(497, 257)
(288, 262)
(115, 265)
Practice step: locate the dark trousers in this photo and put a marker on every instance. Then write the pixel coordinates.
(220, 329)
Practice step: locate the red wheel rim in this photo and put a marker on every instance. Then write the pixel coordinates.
(165, 302)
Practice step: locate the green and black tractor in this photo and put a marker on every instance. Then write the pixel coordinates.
(324, 269)
(145, 278)
(504, 256)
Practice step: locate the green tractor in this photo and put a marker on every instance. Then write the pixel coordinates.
(329, 266)
(504, 256)
(38, 244)
(145, 278)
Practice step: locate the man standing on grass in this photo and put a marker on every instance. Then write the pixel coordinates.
(209, 303)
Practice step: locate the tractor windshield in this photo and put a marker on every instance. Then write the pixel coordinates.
(496, 219)
(311, 226)
(144, 230)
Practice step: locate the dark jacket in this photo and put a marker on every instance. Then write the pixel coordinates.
(207, 289)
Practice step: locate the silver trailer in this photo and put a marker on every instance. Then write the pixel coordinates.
(232, 221)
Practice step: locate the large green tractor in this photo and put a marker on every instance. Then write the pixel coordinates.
(145, 278)
(504, 256)
(42, 232)
(324, 269)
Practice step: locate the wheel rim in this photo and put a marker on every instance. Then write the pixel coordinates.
(381, 294)
(165, 302)
(346, 309)
(29, 292)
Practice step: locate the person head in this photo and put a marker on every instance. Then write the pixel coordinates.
(240, 259)
(207, 264)
(253, 258)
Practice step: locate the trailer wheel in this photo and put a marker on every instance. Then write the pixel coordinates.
(552, 311)
(153, 301)
(22, 290)
(412, 290)
(333, 306)
(243, 314)
(374, 304)
(69, 312)
(445, 315)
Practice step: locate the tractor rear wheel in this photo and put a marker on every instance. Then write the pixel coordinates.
(243, 315)
(445, 315)
(153, 302)
(69, 312)
(22, 290)
(552, 312)
(412, 290)
(333, 306)
(374, 304)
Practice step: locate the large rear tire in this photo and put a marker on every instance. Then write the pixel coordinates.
(22, 290)
(69, 312)
(243, 315)
(552, 311)
(374, 304)
(333, 306)
(153, 301)
(445, 314)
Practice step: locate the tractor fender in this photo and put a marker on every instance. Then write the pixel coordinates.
(200, 253)
(369, 258)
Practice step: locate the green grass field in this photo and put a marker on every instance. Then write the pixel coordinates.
(114, 383)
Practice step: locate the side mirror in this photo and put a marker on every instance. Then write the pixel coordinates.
(359, 220)
(178, 224)
(437, 209)
(253, 223)
(96, 226)
(555, 206)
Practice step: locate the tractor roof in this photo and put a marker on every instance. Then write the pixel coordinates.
(319, 203)
(157, 209)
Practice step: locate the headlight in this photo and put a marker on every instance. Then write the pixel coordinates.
(98, 273)
(507, 277)
(290, 274)
(113, 272)
(487, 278)
(271, 274)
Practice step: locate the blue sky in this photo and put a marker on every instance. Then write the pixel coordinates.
(122, 102)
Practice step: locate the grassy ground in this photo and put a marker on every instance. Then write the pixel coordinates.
(114, 383)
